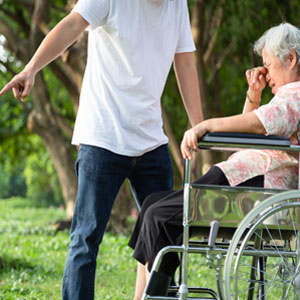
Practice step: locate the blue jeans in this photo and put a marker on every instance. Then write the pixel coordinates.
(100, 176)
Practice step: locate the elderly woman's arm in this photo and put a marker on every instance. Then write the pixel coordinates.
(252, 101)
(246, 122)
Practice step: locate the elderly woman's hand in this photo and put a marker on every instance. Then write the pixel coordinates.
(190, 140)
(256, 79)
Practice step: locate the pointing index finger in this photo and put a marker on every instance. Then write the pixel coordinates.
(6, 88)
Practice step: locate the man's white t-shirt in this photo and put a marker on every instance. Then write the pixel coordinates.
(131, 47)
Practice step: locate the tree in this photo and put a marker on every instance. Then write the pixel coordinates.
(223, 32)
(23, 23)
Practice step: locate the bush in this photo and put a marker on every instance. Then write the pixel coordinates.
(12, 182)
(41, 180)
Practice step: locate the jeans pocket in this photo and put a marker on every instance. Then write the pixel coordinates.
(76, 166)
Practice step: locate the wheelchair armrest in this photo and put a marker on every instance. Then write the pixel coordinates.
(246, 138)
(232, 141)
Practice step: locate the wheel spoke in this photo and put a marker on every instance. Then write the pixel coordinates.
(273, 229)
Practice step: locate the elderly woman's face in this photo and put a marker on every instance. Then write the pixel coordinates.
(277, 73)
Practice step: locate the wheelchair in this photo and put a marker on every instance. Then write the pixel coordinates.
(250, 236)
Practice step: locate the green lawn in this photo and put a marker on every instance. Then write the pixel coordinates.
(33, 257)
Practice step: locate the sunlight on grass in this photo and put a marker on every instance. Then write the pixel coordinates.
(32, 257)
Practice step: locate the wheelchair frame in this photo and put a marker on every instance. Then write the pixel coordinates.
(261, 225)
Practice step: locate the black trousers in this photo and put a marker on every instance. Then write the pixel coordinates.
(160, 222)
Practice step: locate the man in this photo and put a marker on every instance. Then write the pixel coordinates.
(131, 46)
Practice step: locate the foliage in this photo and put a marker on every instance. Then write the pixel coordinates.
(26, 166)
(33, 176)
(4, 183)
(12, 182)
(60, 99)
(40, 177)
(173, 105)
(23, 24)
(242, 22)
(14, 135)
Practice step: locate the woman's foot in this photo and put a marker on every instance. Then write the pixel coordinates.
(158, 284)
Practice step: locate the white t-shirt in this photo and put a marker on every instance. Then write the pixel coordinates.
(131, 47)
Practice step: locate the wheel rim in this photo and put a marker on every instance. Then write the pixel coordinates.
(279, 273)
(272, 277)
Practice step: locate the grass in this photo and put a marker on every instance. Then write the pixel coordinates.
(32, 257)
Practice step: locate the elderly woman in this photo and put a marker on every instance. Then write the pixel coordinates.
(160, 221)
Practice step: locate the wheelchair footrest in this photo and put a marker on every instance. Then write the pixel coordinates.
(208, 294)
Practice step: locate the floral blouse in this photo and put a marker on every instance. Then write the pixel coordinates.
(280, 169)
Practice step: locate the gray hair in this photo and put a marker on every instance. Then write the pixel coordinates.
(279, 40)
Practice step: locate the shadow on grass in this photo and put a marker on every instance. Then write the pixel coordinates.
(9, 263)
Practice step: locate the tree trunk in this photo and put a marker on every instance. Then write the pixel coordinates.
(173, 144)
(42, 120)
(197, 29)
(204, 35)
(22, 41)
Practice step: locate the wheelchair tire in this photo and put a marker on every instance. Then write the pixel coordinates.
(263, 259)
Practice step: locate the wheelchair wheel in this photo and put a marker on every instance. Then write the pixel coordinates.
(263, 258)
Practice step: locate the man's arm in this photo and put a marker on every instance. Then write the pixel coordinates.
(187, 79)
(58, 39)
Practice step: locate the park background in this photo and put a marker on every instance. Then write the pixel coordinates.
(37, 178)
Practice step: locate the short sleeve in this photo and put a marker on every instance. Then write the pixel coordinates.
(95, 12)
(185, 41)
(281, 115)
